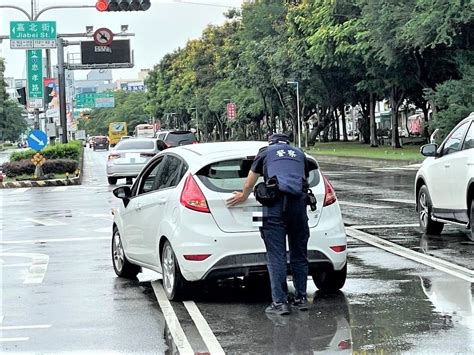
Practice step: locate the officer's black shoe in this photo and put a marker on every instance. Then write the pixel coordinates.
(301, 303)
(281, 309)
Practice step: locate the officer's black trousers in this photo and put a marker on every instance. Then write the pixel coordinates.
(288, 216)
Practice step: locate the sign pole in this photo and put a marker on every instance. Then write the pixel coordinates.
(62, 90)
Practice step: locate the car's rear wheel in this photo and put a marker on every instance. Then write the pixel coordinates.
(330, 281)
(123, 267)
(174, 284)
(112, 180)
(425, 207)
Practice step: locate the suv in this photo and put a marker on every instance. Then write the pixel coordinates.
(100, 142)
(176, 138)
(444, 184)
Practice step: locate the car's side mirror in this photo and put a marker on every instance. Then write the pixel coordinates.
(161, 145)
(429, 150)
(124, 193)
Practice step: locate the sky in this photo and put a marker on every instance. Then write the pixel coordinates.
(166, 26)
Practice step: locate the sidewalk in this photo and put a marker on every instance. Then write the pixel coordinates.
(368, 163)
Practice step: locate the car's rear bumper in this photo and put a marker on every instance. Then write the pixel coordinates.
(240, 254)
(124, 170)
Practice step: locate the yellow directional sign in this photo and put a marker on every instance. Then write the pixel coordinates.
(38, 159)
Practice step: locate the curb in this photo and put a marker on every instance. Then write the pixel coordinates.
(41, 183)
(364, 162)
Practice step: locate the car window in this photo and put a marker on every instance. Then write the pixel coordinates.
(469, 141)
(176, 139)
(131, 144)
(100, 140)
(149, 177)
(161, 136)
(229, 175)
(453, 144)
(169, 174)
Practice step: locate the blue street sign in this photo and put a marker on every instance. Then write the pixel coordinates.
(37, 140)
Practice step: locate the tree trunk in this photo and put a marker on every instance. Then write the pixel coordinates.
(338, 130)
(373, 126)
(344, 127)
(426, 133)
(396, 98)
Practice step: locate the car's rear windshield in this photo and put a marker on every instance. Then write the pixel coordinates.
(175, 138)
(229, 175)
(100, 139)
(131, 144)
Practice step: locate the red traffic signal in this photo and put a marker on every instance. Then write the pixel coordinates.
(102, 5)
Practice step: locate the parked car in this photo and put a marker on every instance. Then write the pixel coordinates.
(100, 142)
(174, 220)
(176, 138)
(125, 137)
(444, 184)
(129, 157)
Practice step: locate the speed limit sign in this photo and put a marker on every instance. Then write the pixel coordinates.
(103, 37)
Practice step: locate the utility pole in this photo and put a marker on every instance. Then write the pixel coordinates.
(62, 90)
(297, 109)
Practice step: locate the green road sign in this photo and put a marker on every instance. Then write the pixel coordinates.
(105, 100)
(32, 34)
(85, 100)
(35, 78)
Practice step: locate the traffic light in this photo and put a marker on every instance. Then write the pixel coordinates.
(22, 98)
(122, 5)
(47, 94)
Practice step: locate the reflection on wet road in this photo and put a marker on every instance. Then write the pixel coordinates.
(58, 239)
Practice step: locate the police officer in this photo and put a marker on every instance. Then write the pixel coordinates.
(287, 215)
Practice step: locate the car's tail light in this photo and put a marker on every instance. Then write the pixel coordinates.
(344, 345)
(330, 194)
(196, 142)
(197, 257)
(147, 155)
(192, 196)
(114, 156)
(338, 248)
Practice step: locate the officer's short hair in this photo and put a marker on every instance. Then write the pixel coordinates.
(278, 138)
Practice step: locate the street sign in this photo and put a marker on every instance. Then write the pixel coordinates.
(38, 159)
(35, 78)
(231, 111)
(103, 37)
(104, 100)
(37, 140)
(32, 34)
(85, 100)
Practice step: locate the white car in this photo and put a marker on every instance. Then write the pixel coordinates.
(174, 220)
(444, 184)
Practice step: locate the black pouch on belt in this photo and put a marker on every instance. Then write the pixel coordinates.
(267, 192)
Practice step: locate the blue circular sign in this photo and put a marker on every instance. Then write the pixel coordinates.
(37, 140)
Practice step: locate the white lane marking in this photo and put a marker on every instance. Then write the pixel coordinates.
(363, 205)
(428, 260)
(20, 190)
(19, 327)
(38, 266)
(15, 265)
(47, 222)
(52, 240)
(172, 321)
(203, 327)
(380, 226)
(60, 188)
(397, 200)
(103, 230)
(3, 340)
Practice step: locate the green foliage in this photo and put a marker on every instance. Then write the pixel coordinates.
(26, 167)
(71, 151)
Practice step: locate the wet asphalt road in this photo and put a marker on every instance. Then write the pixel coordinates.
(60, 294)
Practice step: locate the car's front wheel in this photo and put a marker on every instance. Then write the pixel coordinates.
(471, 220)
(174, 284)
(425, 207)
(330, 281)
(123, 267)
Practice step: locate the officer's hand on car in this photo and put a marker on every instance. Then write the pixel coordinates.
(238, 197)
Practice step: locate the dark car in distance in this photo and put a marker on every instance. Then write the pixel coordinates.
(100, 142)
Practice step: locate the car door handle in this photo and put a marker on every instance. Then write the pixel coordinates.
(447, 165)
(161, 201)
(138, 208)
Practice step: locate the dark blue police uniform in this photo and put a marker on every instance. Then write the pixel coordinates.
(287, 216)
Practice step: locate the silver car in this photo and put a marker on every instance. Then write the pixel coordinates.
(129, 157)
